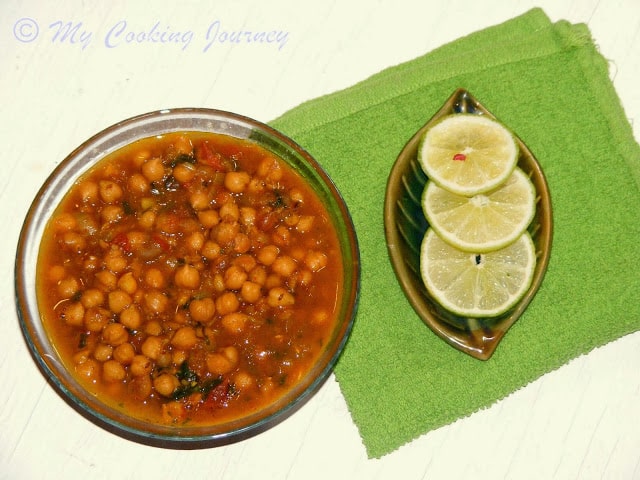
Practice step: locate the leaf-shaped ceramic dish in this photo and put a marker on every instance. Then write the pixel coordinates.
(405, 226)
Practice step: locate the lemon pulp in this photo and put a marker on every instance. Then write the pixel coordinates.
(483, 222)
(477, 284)
(468, 154)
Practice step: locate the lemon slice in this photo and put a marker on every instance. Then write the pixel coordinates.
(483, 222)
(468, 154)
(477, 285)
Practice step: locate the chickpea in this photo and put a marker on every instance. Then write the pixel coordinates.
(298, 253)
(209, 334)
(140, 157)
(155, 301)
(227, 303)
(250, 292)
(187, 277)
(208, 218)
(258, 275)
(113, 371)
(127, 283)
(236, 182)
(107, 279)
(234, 277)
(73, 314)
(267, 385)
(210, 250)
(115, 334)
(181, 317)
(195, 241)
(141, 365)
(164, 359)
(67, 287)
(243, 380)
(184, 338)
(218, 283)
(270, 169)
(154, 278)
(182, 145)
(315, 260)
(88, 369)
(225, 233)
(282, 236)
(229, 212)
(153, 327)
(147, 219)
(296, 195)
(222, 362)
(137, 239)
(279, 297)
(199, 200)
(138, 183)
(131, 317)
(111, 214)
(284, 266)
(302, 277)
(305, 224)
(245, 261)
(267, 255)
(202, 310)
(165, 384)
(153, 169)
(81, 356)
(248, 216)
(256, 185)
(102, 352)
(241, 243)
(74, 241)
(292, 220)
(56, 273)
(152, 347)
(95, 319)
(178, 357)
(320, 317)
(114, 261)
(234, 322)
(184, 172)
(88, 192)
(173, 412)
(141, 387)
(124, 353)
(91, 263)
(272, 280)
(118, 301)
(110, 192)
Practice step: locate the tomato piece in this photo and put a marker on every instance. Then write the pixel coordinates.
(161, 242)
(267, 220)
(122, 240)
(206, 156)
(219, 396)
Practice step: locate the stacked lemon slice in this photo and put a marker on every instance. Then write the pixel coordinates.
(477, 257)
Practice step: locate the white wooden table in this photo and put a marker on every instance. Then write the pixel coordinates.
(58, 88)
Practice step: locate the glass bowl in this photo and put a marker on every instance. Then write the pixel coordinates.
(83, 158)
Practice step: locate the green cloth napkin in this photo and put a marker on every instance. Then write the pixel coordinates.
(550, 85)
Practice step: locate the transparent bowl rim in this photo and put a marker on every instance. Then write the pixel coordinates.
(78, 162)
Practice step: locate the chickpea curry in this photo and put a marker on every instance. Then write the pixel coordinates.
(190, 278)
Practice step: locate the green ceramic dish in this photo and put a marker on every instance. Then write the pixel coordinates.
(405, 226)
